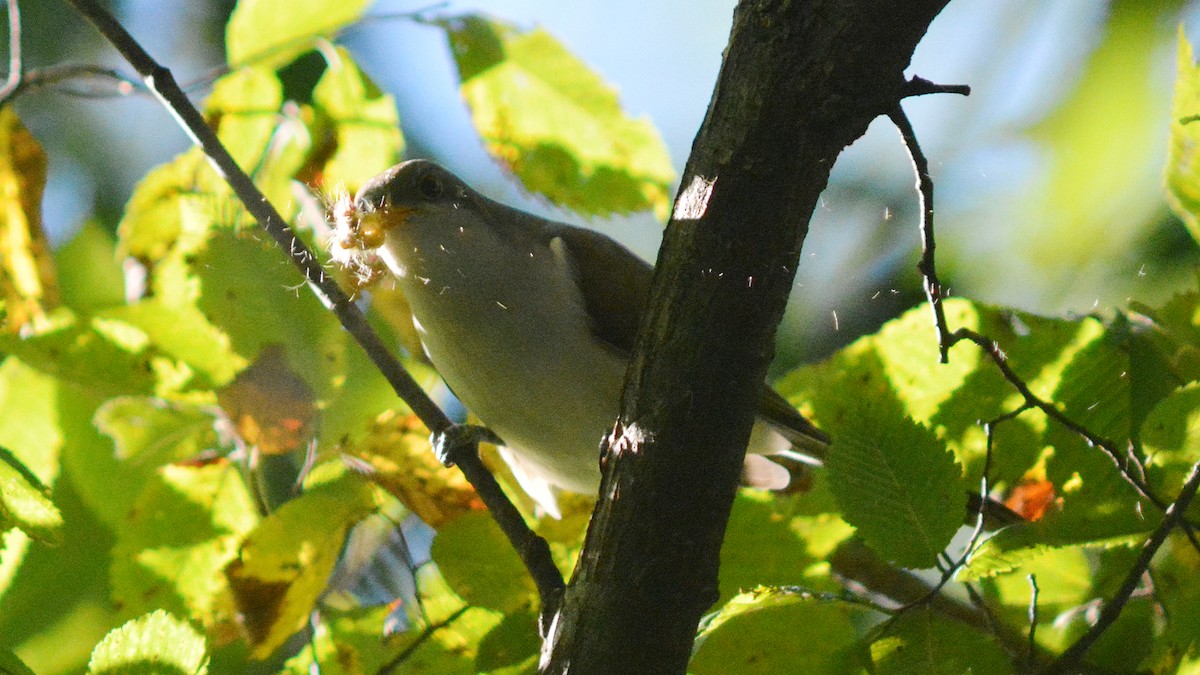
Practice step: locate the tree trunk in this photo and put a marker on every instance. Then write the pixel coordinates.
(801, 80)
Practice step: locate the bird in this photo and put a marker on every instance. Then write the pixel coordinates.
(531, 323)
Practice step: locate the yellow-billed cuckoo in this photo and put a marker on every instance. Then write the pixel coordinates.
(531, 323)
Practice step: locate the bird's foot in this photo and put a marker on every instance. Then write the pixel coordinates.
(451, 442)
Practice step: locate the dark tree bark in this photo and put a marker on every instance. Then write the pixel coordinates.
(801, 80)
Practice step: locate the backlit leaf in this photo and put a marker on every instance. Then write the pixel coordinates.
(555, 123)
(271, 407)
(1183, 151)
(479, 564)
(177, 538)
(26, 503)
(154, 643)
(284, 563)
(897, 484)
(779, 631)
(364, 125)
(398, 452)
(27, 281)
(273, 32)
(920, 641)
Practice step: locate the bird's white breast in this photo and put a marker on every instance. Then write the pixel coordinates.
(509, 334)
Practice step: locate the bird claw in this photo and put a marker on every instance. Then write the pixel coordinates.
(451, 442)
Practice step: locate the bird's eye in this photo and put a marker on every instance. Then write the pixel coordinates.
(430, 186)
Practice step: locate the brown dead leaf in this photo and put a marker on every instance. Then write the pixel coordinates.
(397, 450)
(270, 406)
(1032, 498)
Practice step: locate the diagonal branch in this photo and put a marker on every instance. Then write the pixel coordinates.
(1069, 660)
(534, 551)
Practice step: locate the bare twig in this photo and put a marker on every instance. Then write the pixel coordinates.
(1069, 660)
(420, 640)
(1031, 655)
(919, 86)
(15, 67)
(19, 82)
(927, 266)
(1107, 446)
(53, 76)
(534, 551)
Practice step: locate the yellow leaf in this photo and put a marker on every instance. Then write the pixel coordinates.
(26, 268)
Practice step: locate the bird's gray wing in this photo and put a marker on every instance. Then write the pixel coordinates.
(615, 284)
(614, 280)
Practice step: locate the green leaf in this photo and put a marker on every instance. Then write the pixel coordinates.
(155, 431)
(245, 107)
(764, 547)
(272, 33)
(284, 563)
(512, 644)
(1175, 331)
(87, 354)
(779, 631)
(897, 484)
(175, 541)
(266, 138)
(921, 642)
(182, 531)
(26, 503)
(1183, 150)
(173, 206)
(1097, 503)
(109, 484)
(30, 427)
(900, 364)
(14, 544)
(1011, 549)
(255, 297)
(480, 565)
(555, 123)
(177, 330)
(365, 126)
(11, 665)
(89, 275)
(1171, 432)
(153, 644)
(176, 206)
(1095, 390)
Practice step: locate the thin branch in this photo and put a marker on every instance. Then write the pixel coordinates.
(52, 76)
(534, 550)
(1069, 660)
(919, 86)
(13, 80)
(21, 82)
(927, 265)
(420, 640)
(1108, 447)
(1034, 591)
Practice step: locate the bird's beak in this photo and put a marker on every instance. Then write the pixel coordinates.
(367, 229)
